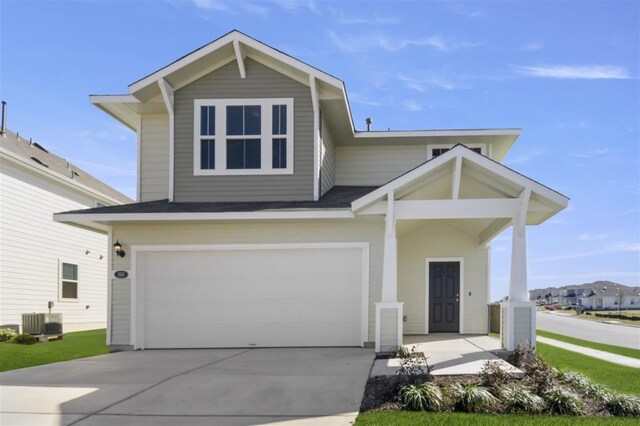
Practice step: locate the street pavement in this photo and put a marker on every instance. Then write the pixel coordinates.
(593, 331)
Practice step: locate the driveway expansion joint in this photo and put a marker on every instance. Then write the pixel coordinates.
(157, 384)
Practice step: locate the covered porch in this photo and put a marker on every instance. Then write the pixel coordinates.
(440, 219)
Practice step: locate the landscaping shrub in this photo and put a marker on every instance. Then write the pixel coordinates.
(493, 375)
(523, 355)
(598, 393)
(401, 352)
(471, 397)
(561, 400)
(7, 334)
(414, 365)
(539, 374)
(623, 405)
(24, 339)
(522, 400)
(425, 397)
(575, 380)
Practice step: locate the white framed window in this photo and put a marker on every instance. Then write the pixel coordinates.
(435, 150)
(243, 136)
(68, 281)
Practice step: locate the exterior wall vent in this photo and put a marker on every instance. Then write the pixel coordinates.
(37, 160)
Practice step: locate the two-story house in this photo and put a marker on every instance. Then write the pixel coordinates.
(47, 266)
(265, 219)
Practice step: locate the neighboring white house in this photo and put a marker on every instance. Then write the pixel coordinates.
(595, 295)
(265, 219)
(43, 261)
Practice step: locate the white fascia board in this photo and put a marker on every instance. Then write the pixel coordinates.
(57, 178)
(234, 36)
(117, 106)
(437, 133)
(214, 216)
(465, 153)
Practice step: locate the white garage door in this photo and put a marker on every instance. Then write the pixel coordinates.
(250, 297)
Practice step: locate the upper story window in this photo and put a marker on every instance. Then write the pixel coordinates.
(436, 150)
(243, 136)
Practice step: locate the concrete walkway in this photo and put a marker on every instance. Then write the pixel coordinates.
(594, 353)
(449, 354)
(293, 386)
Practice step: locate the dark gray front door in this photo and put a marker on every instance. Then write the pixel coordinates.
(444, 297)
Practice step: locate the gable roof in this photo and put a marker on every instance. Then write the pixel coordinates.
(145, 97)
(34, 156)
(461, 151)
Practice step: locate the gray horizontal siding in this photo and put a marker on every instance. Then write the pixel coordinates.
(225, 83)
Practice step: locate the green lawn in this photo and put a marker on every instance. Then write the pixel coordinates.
(633, 353)
(410, 418)
(615, 377)
(74, 345)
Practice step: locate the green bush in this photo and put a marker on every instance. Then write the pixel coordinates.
(493, 375)
(575, 380)
(599, 393)
(471, 397)
(522, 400)
(7, 334)
(24, 339)
(561, 400)
(623, 405)
(401, 352)
(425, 397)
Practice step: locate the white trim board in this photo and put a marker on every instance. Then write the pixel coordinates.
(429, 260)
(137, 329)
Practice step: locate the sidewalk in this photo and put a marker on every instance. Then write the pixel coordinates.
(594, 353)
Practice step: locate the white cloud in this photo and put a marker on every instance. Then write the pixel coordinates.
(340, 17)
(313, 7)
(421, 84)
(532, 46)
(592, 237)
(590, 72)
(591, 153)
(103, 169)
(584, 124)
(591, 276)
(392, 44)
(235, 7)
(464, 10)
(524, 157)
(413, 106)
(364, 100)
(618, 247)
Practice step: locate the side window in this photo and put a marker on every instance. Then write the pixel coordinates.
(69, 281)
(207, 137)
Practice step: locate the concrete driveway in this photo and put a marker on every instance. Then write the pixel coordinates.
(308, 386)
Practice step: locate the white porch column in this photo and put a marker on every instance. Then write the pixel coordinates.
(389, 311)
(518, 315)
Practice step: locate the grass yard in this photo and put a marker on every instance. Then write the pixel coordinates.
(615, 377)
(633, 353)
(74, 345)
(410, 418)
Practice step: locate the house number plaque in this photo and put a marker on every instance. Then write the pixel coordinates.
(121, 274)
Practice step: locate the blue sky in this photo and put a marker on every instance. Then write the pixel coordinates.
(565, 72)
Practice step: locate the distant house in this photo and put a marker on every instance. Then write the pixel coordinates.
(609, 295)
(595, 295)
(43, 261)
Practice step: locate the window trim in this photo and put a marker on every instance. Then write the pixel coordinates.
(266, 137)
(485, 149)
(61, 262)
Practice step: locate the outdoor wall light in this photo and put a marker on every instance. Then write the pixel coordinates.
(117, 247)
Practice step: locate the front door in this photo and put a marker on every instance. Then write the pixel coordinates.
(444, 297)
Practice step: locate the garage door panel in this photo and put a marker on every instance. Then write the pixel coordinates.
(250, 298)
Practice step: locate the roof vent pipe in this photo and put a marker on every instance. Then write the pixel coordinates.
(368, 121)
(4, 117)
